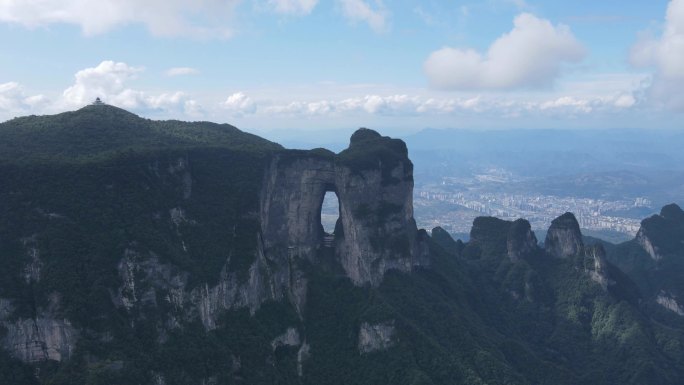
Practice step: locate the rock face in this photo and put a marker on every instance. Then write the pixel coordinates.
(376, 232)
(373, 180)
(645, 242)
(38, 339)
(444, 239)
(289, 338)
(663, 234)
(375, 337)
(303, 354)
(521, 240)
(564, 238)
(497, 236)
(598, 271)
(145, 279)
(667, 301)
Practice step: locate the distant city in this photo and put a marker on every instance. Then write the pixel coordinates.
(459, 209)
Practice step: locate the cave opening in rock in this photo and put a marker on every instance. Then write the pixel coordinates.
(330, 212)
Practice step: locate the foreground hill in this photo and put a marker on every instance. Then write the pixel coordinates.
(100, 132)
(143, 252)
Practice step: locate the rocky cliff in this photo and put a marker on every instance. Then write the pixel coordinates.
(521, 240)
(496, 236)
(597, 268)
(663, 234)
(564, 238)
(194, 254)
(654, 259)
(375, 232)
(263, 232)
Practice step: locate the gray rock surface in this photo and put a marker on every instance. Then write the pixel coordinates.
(303, 354)
(34, 265)
(521, 240)
(667, 301)
(645, 242)
(375, 232)
(138, 270)
(598, 271)
(289, 338)
(564, 238)
(40, 339)
(376, 337)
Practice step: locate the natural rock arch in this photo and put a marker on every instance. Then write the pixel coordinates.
(373, 181)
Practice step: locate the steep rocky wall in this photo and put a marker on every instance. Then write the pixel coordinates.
(378, 229)
(521, 240)
(598, 271)
(375, 337)
(40, 339)
(564, 238)
(373, 180)
(294, 186)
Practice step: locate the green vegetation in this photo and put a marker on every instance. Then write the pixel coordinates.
(658, 277)
(369, 150)
(84, 189)
(100, 132)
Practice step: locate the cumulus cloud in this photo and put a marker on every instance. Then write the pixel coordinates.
(202, 19)
(624, 101)
(108, 82)
(361, 11)
(14, 100)
(403, 105)
(239, 104)
(380, 105)
(665, 54)
(293, 7)
(181, 71)
(567, 103)
(530, 55)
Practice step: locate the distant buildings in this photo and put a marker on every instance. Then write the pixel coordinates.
(540, 210)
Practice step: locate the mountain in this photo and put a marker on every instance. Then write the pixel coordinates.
(146, 252)
(654, 259)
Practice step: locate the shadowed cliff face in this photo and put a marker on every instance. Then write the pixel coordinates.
(521, 240)
(564, 238)
(663, 234)
(373, 180)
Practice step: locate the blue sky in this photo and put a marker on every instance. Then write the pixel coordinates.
(331, 64)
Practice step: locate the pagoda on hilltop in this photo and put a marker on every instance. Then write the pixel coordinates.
(98, 102)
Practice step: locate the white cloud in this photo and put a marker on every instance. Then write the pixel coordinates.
(531, 55)
(568, 103)
(108, 82)
(404, 105)
(361, 11)
(239, 104)
(625, 101)
(181, 71)
(666, 55)
(201, 19)
(14, 100)
(293, 7)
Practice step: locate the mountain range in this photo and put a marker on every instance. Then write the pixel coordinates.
(164, 252)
